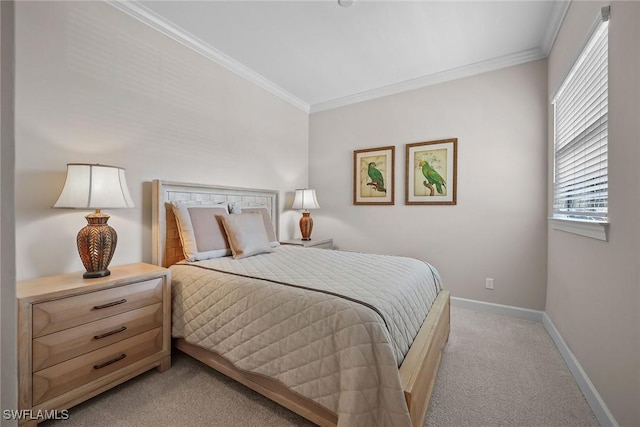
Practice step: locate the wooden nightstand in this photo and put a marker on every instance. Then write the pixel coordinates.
(320, 243)
(79, 337)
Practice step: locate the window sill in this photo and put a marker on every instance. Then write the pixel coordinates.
(593, 229)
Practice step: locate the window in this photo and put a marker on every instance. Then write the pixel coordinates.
(580, 134)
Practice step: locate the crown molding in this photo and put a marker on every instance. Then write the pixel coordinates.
(558, 13)
(169, 29)
(433, 79)
(143, 14)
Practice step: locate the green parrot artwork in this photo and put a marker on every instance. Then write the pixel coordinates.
(433, 178)
(376, 178)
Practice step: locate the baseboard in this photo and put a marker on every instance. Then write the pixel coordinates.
(599, 408)
(504, 310)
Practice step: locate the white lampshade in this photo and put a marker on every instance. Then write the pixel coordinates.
(305, 199)
(93, 186)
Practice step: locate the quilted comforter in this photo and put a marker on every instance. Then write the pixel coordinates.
(333, 326)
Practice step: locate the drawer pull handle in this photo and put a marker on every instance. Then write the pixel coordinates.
(107, 363)
(111, 304)
(106, 334)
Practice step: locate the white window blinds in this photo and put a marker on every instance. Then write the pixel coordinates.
(580, 135)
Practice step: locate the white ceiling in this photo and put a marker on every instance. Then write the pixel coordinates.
(318, 55)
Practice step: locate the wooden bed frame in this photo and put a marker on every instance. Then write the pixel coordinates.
(418, 371)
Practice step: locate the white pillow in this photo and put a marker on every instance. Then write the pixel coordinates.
(246, 234)
(266, 219)
(201, 231)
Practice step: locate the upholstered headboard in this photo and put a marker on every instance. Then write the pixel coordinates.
(167, 248)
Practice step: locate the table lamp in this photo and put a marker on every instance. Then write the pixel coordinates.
(305, 199)
(95, 186)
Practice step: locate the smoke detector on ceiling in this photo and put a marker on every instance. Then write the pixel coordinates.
(345, 3)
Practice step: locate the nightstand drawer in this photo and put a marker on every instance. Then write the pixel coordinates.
(66, 313)
(64, 345)
(57, 379)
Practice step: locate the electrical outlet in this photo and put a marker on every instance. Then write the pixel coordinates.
(489, 283)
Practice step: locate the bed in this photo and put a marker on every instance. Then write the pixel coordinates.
(399, 395)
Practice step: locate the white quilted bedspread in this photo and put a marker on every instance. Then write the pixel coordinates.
(333, 326)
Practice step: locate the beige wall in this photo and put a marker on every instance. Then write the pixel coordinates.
(593, 294)
(8, 317)
(498, 227)
(95, 85)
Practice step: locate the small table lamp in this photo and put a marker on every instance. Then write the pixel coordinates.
(305, 200)
(94, 186)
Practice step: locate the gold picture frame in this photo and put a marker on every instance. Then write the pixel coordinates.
(431, 172)
(374, 176)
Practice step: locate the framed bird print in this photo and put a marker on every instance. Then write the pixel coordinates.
(431, 172)
(373, 176)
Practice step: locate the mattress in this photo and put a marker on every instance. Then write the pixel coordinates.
(332, 326)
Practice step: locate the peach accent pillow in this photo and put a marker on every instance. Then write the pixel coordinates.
(201, 231)
(246, 233)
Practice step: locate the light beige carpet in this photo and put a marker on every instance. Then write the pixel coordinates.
(496, 371)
